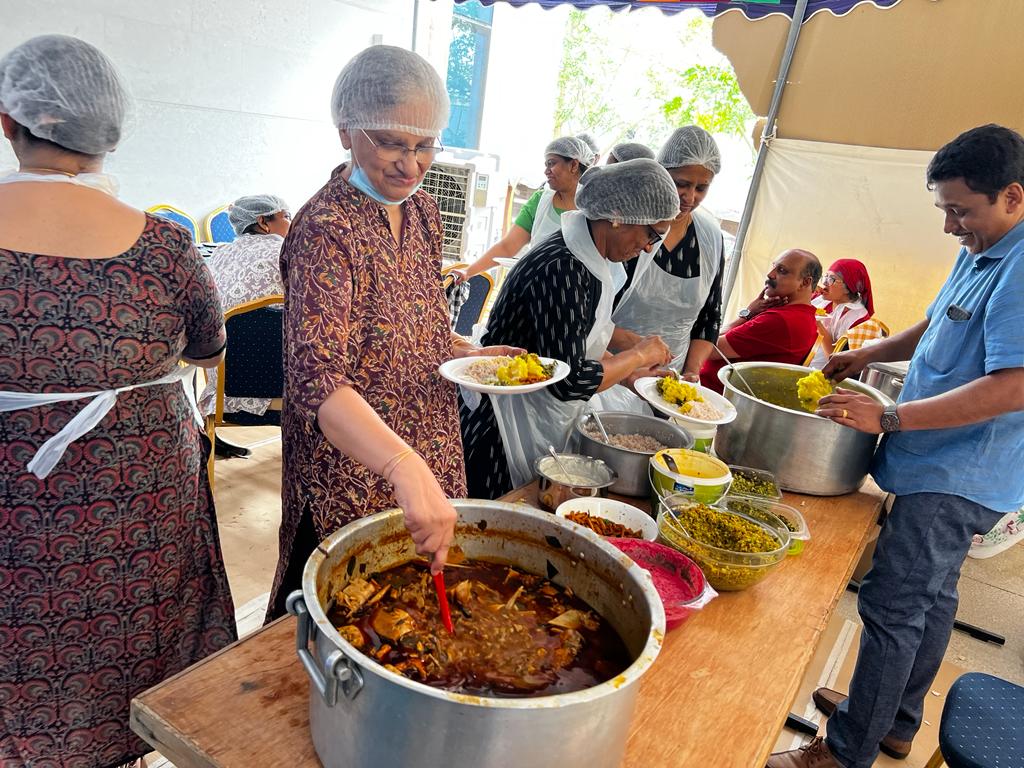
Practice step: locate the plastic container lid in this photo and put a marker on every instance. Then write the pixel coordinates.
(679, 581)
(774, 513)
(756, 475)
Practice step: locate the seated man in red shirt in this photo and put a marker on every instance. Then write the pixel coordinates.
(779, 325)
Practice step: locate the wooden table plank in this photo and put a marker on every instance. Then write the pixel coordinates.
(717, 695)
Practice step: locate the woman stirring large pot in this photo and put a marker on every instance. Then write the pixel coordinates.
(558, 303)
(368, 423)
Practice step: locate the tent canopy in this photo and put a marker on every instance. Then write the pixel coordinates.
(752, 9)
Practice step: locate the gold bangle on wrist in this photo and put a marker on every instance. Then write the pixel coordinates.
(394, 461)
(403, 457)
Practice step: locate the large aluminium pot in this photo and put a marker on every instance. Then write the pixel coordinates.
(361, 714)
(807, 453)
(631, 466)
(887, 378)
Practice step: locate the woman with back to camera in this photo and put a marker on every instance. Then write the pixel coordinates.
(111, 576)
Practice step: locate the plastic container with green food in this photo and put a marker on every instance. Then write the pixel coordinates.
(747, 481)
(782, 516)
(725, 569)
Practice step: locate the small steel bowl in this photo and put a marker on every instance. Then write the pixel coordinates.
(590, 478)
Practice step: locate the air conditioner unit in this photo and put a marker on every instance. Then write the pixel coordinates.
(451, 186)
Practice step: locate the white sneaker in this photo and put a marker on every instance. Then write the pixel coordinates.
(1007, 532)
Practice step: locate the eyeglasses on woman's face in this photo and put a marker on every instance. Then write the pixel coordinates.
(829, 279)
(392, 152)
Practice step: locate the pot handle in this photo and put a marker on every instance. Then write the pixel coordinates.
(338, 671)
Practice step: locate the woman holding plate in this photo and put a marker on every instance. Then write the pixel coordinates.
(558, 303)
(368, 422)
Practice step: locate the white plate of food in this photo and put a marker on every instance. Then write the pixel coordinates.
(503, 375)
(506, 262)
(710, 409)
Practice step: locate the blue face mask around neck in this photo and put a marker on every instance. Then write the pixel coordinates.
(361, 181)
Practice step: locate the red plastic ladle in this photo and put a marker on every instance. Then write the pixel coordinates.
(442, 599)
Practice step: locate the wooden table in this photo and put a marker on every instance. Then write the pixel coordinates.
(717, 695)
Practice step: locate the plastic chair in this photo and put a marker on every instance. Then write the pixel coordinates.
(981, 724)
(178, 216)
(253, 364)
(839, 346)
(480, 287)
(217, 227)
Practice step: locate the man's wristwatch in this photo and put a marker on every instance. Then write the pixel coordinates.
(890, 419)
(744, 313)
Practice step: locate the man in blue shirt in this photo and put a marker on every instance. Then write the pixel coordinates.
(952, 451)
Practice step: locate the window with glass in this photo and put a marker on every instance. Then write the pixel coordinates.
(467, 73)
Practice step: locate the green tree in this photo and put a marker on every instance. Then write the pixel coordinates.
(591, 92)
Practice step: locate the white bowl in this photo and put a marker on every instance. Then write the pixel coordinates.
(615, 511)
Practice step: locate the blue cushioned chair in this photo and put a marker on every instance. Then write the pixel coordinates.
(480, 287)
(217, 227)
(981, 724)
(253, 364)
(178, 216)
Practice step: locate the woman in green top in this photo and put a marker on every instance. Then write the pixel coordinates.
(565, 160)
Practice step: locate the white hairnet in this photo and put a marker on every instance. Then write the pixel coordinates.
(573, 148)
(244, 212)
(589, 140)
(631, 150)
(390, 88)
(634, 192)
(66, 91)
(691, 145)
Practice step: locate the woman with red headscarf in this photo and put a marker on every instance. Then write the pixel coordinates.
(846, 299)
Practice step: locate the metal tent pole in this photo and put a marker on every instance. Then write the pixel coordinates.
(766, 136)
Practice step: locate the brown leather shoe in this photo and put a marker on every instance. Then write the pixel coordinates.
(816, 754)
(827, 700)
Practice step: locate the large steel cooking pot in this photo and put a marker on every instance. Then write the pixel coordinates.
(807, 453)
(361, 714)
(887, 378)
(631, 466)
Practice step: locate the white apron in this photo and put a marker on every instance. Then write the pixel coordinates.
(659, 304)
(51, 452)
(546, 221)
(530, 423)
(103, 400)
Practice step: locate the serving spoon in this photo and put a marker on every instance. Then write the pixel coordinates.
(750, 389)
(558, 461)
(600, 426)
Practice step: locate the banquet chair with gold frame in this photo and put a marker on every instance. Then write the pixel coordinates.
(253, 363)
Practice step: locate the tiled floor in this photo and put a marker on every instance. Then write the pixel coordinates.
(247, 492)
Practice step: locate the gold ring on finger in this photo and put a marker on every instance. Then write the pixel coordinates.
(846, 413)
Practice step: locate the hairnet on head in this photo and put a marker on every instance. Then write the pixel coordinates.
(631, 150)
(571, 147)
(691, 145)
(634, 192)
(390, 88)
(244, 212)
(66, 91)
(589, 140)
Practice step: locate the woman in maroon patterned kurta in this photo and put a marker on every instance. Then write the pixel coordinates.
(366, 327)
(111, 577)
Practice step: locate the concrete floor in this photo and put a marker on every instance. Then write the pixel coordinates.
(247, 492)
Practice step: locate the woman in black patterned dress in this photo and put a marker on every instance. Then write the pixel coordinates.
(557, 302)
(111, 576)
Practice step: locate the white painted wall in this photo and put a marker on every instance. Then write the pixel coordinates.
(233, 95)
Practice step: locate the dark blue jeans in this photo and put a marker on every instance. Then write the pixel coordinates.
(907, 602)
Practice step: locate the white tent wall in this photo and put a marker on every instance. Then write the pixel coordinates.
(841, 201)
(908, 79)
(233, 96)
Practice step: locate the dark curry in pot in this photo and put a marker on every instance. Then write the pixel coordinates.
(516, 634)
